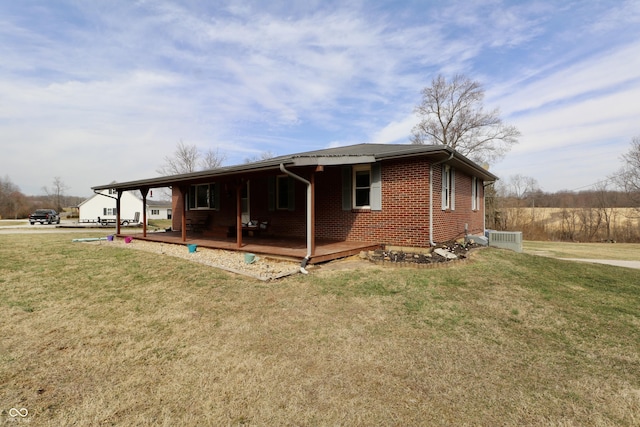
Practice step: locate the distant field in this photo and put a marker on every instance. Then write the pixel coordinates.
(553, 216)
(98, 334)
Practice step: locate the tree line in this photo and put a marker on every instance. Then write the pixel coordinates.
(609, 211)
(16, 205)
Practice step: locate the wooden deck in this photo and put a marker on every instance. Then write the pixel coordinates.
(291, 248)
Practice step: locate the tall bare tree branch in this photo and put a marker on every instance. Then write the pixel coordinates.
(451, 113)
(187, 159)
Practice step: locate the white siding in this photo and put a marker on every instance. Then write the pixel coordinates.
(94, 207)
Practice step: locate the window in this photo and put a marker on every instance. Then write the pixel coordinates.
(203, 196)
(112, 191)
(109, 211)
(448, 188)
(475, 193)
(362, 187)
(155, 211)
(282, 192)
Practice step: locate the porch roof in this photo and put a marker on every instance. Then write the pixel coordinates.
(348, 155)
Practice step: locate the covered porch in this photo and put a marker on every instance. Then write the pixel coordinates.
(285, 247)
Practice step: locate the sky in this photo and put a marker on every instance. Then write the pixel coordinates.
(99, 91)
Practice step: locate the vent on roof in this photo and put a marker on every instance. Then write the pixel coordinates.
(506, 240)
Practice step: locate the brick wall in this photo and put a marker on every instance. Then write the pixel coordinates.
(403, 220)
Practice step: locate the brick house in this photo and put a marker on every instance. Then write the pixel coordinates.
(379, 194)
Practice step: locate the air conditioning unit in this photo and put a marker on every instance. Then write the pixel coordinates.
(506, 239)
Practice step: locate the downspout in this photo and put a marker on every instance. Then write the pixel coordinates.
(484, 205)
(308, 184)
(431, 243)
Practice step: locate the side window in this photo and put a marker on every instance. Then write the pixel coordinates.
(204, 196)
(362, 187)
(282, 192)
(448, 188)
(475, 193)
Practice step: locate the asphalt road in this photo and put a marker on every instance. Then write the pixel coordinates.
(65, 226)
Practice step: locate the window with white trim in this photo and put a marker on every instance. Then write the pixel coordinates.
(155, 211)
(448, 188)
(475, 193)
(362, 187)
(109, 211)
(203, 196)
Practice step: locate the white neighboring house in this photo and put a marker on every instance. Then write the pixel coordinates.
(101, 207)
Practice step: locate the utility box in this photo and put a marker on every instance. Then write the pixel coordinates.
(506, 240)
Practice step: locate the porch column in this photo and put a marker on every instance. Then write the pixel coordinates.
(239, 215)
(144, 191)
(118, 213)
(183, 191)
(312, 217)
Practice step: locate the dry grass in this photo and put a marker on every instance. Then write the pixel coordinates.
(12, 223)
(96, 335)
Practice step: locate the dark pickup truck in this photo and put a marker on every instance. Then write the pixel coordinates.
(44, 215)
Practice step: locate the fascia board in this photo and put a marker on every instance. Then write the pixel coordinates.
(332, 160)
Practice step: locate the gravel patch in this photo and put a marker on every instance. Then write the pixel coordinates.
(262, 268)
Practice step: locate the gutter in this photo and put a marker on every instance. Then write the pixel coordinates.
(308, 184)
(484, 204)
(431, 195)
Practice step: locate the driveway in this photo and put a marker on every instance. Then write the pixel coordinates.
(66, 226)
(616, 262)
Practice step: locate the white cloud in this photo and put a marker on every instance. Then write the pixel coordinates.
(396, 131)
(604, 72)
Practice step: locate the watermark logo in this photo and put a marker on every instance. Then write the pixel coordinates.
(15, 412)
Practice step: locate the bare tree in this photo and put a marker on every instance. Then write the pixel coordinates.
(451, 113)
(628, 177)
(187, 159)
(265, 155)
(212, 159)
(183, 160)
(56, 193)
(7, 188)
(520, 186)
(569, 224)
(605, 201)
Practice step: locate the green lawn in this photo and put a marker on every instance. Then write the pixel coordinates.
(93, 334)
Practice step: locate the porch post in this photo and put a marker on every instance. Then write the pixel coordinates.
(312, 217)
(239, 215)
(144, 191)
(183, 191)
(118, 213)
